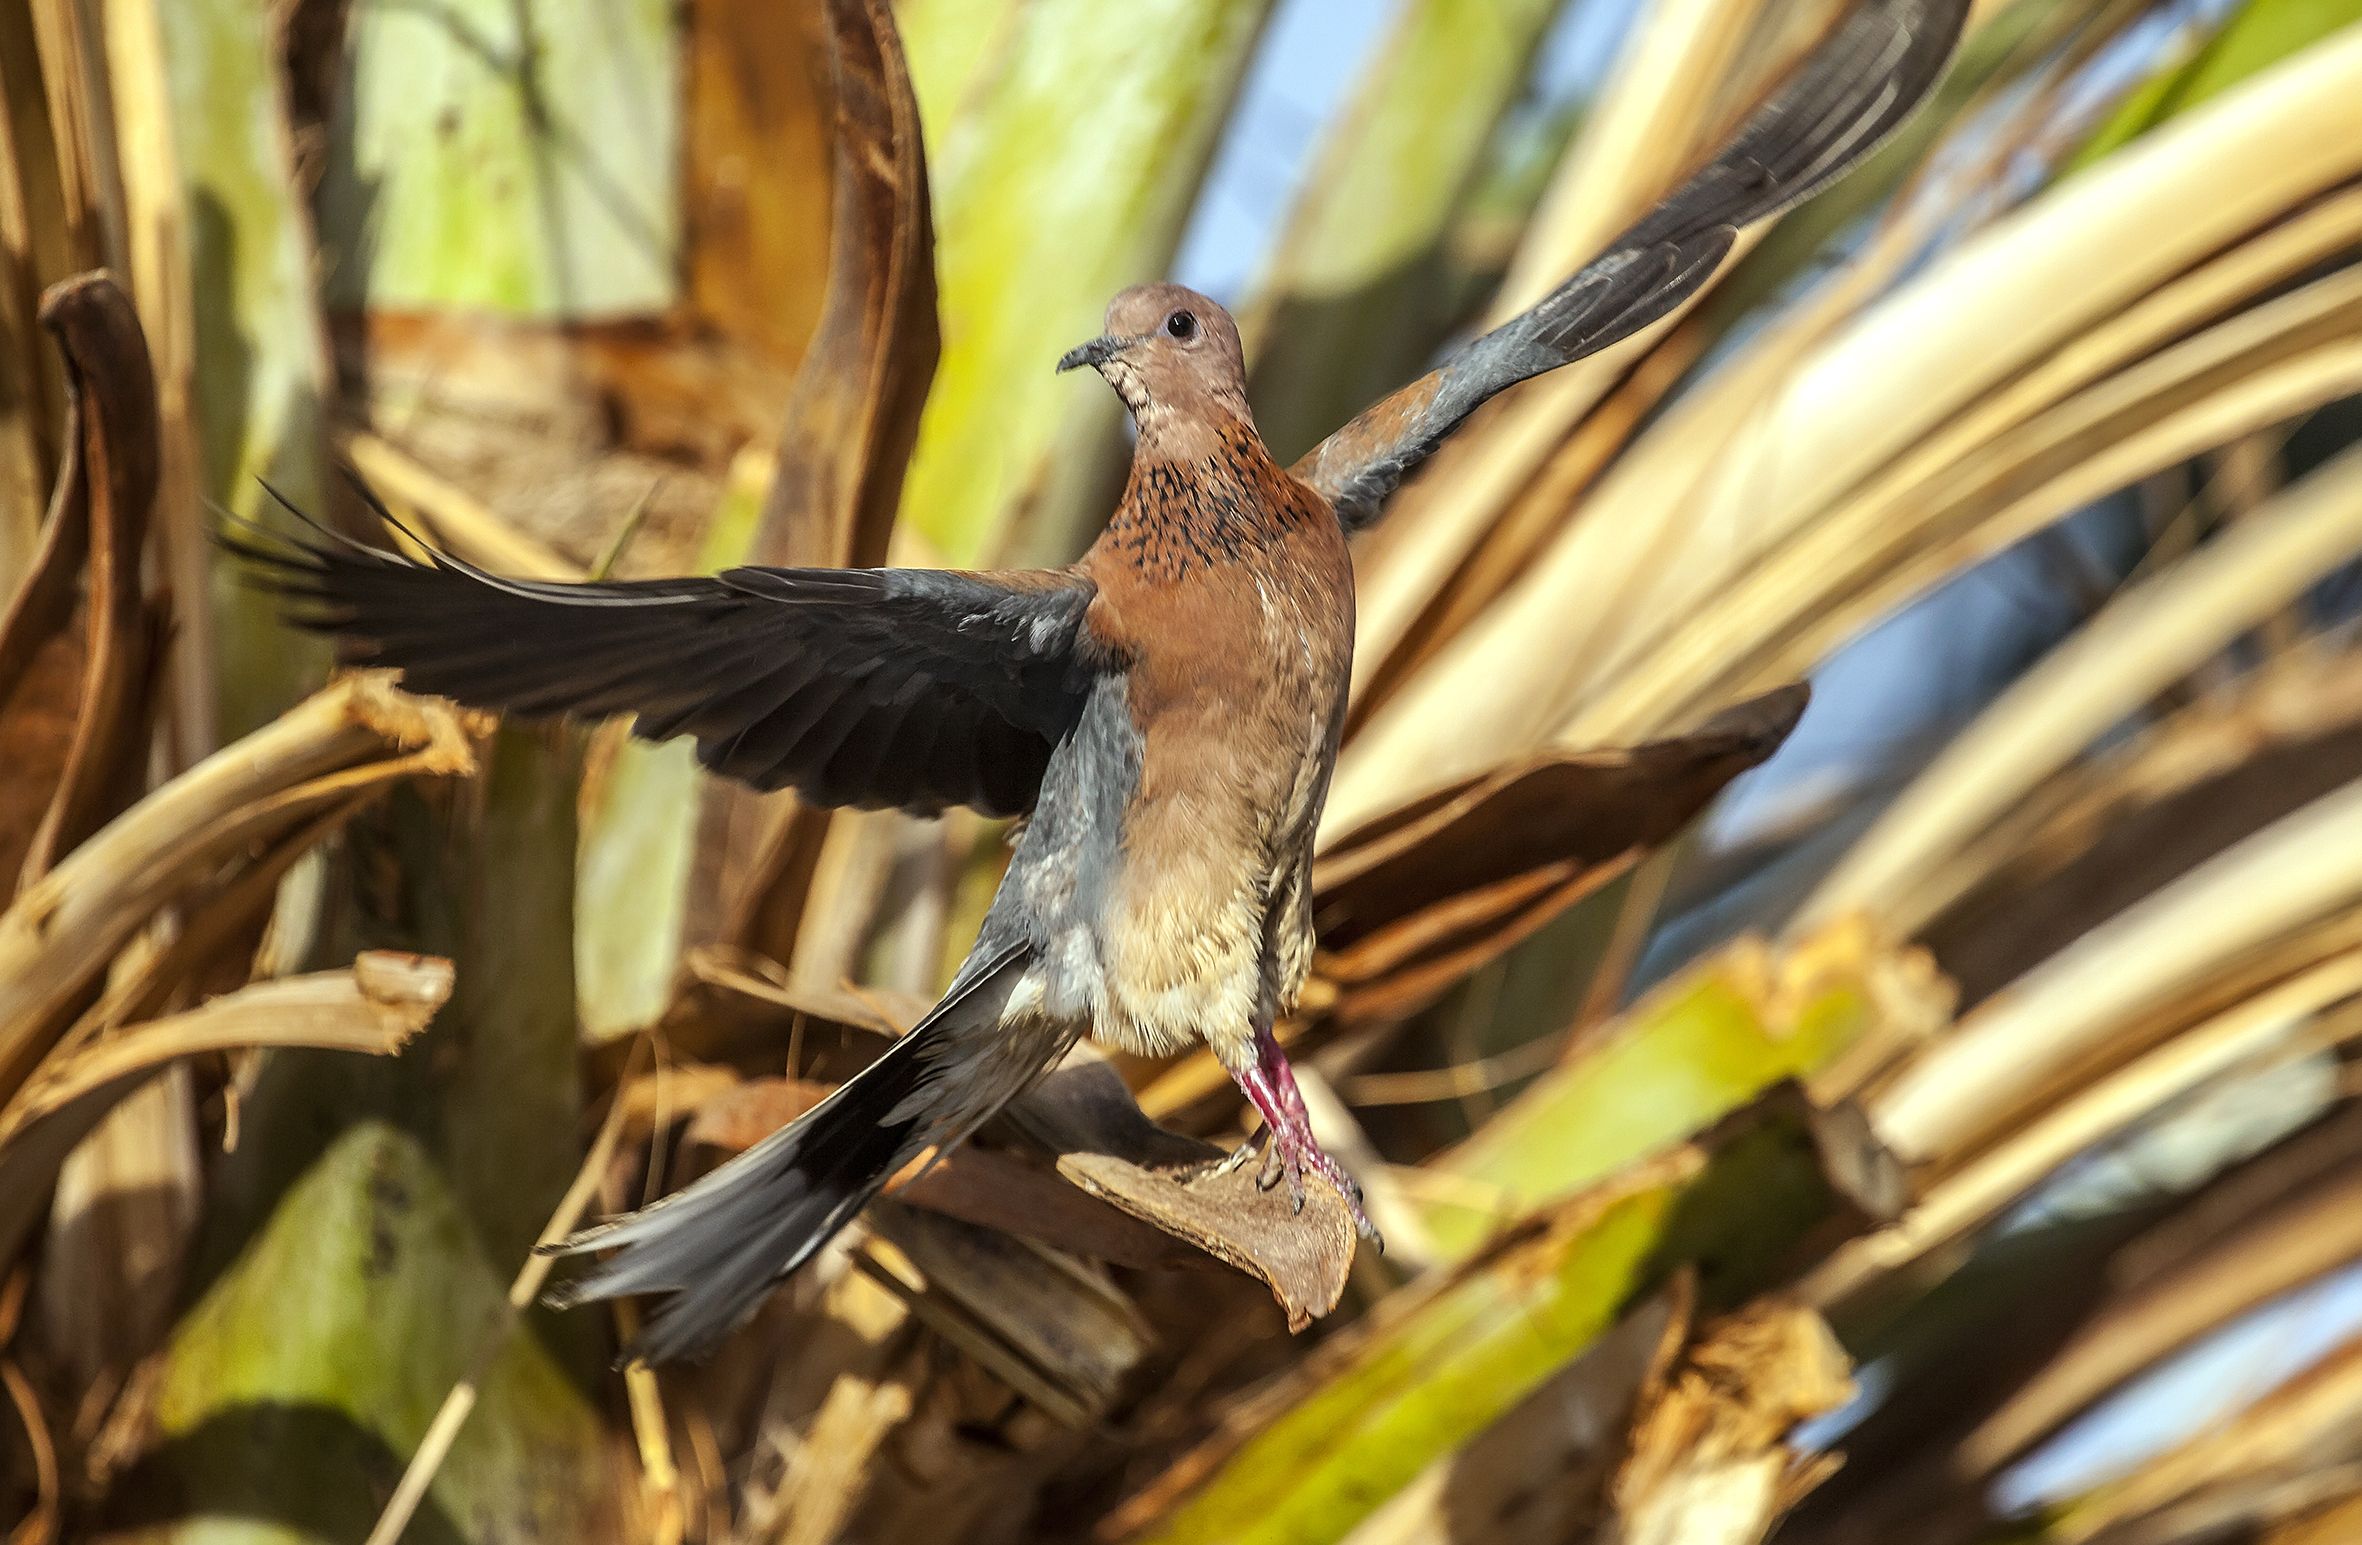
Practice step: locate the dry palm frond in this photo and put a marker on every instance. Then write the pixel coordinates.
(2139, 862)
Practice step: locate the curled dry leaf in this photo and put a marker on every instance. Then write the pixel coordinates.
(853, 417)
(375, 1006)
(328, 754)
(1302, 1257)
(1710, 1462)
(1104, 1143)
(1411, 901)
(79, 640)
(854, 414)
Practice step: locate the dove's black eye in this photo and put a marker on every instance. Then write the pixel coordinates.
(1181, 325)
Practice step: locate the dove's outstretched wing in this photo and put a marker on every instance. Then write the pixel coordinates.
(916, 688)
(1865, 78)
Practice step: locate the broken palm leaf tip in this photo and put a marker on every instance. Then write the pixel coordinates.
(375, 1007)
(332, 753)
(1202, 643)
(1414, 901)
(77, 670)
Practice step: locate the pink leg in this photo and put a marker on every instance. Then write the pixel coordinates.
(1270, 1084)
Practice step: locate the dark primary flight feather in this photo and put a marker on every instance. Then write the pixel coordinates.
(1854, 90)
(915, 688)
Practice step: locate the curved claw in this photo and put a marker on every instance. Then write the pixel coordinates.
(1275, 1164)
(1234, 1160)
(1270, 1085)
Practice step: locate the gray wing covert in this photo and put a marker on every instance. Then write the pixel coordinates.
(1864, 79)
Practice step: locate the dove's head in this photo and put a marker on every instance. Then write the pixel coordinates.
(1168, 348)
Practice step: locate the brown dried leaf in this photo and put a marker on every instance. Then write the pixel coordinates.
(757, 178)
(374, 1007)
(1110, 1148)
(1302, 1257)
(39, 706)
(855, 411)
(79, 642)
(1414, 899)
(851, 421)
(125, 1200)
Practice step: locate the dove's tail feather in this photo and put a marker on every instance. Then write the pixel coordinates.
(718, 1247)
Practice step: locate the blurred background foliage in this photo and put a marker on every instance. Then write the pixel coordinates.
(1971, 1094)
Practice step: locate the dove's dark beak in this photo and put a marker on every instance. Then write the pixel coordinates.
(1094, 354)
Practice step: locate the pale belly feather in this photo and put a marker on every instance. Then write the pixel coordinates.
(1210, 933)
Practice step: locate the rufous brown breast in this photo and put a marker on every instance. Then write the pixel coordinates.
(1226, 586)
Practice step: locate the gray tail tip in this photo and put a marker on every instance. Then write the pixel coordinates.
(571, 1291)
(561, 1295)
(581, 1240)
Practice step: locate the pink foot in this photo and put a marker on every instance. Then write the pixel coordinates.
(1270, 1083)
